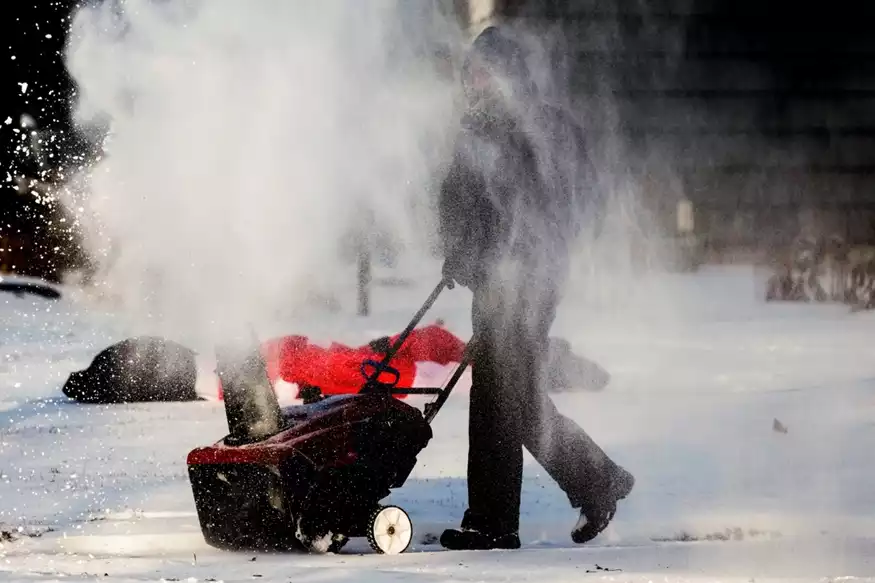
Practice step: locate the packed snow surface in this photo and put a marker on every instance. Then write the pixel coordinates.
(749, 427)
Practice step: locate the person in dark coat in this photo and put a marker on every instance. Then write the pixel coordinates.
(515, 196)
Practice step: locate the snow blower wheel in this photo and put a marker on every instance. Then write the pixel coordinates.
(390, 530)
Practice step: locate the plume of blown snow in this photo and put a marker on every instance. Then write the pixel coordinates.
(244, 141)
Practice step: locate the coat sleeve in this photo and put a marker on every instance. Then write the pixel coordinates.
(457, 208)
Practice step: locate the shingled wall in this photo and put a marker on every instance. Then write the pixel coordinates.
(760, 113)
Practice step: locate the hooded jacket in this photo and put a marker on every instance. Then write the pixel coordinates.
(519, 184)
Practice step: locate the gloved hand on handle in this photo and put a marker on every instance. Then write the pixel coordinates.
(457, 271)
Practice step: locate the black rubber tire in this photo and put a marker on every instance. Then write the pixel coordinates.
(370, 530)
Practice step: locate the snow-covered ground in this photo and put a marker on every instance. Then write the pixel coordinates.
(701, 370)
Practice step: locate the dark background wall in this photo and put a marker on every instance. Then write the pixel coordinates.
(765, 110)
(761, 113)
(33, 241)
(34, 34)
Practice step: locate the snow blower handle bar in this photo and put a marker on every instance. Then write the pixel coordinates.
(431, 409)
(381, 367)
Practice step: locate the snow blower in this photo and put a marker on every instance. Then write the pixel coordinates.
(310, 477)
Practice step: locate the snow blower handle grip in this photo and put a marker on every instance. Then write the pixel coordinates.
(380, 369)
(372, 380)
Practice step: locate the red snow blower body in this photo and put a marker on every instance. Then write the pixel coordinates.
(309, 477)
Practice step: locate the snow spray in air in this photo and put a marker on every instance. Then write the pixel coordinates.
(244, 138)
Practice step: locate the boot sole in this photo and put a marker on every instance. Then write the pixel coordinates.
(447, 542)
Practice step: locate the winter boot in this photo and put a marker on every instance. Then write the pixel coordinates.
(595, 518)
(471, 538)
(474, 540)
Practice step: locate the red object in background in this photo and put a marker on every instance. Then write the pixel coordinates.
(336, 370)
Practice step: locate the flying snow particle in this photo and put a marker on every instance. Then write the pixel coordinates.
(48, 36)
(8, 121)
(23, 87)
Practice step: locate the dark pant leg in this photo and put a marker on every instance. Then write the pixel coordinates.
(510, 408)
(570, 456)
(495, 455)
